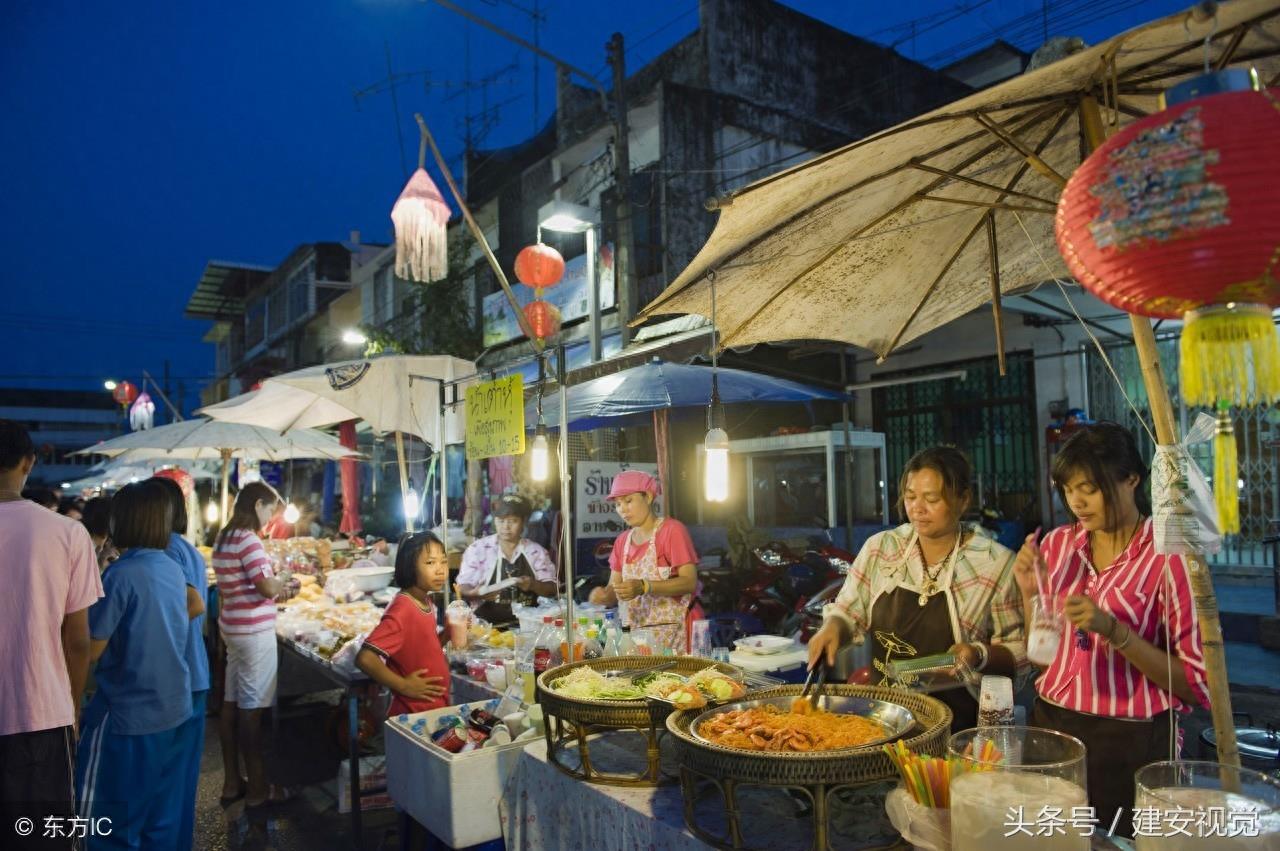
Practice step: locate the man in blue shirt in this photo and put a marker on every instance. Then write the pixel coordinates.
(129, 757)
(191, 739)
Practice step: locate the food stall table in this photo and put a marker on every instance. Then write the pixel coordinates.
(534, 816)
(317, 665)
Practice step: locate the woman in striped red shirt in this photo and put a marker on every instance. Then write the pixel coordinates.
(247, 588)
(1130, 655)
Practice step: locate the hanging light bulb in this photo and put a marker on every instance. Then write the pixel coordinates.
(411, 504)
(716, 461)
(211, 512)
(540, 454)
(291, 513)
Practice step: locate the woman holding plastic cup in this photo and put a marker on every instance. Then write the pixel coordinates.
(654, 565)
(1129, 652)
(932, 585)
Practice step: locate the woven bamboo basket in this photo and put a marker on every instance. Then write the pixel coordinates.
(813, 776)
(572, 721)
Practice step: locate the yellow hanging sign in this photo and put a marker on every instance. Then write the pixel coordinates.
(495, 418)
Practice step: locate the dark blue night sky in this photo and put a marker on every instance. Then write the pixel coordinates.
(140, 139)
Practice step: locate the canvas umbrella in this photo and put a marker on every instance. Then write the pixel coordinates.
(894, 235)
(199, 439)
(657, 385)
(379, 390)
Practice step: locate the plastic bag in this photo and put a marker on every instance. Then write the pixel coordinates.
(1184, 518)
(344, 661)
(924, 827)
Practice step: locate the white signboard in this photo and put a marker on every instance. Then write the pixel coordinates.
(595, 517)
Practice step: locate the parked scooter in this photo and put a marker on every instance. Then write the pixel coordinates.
(782, 583)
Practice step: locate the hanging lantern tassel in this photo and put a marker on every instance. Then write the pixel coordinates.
(421, 215)
(1226, 473)
(1230, 353)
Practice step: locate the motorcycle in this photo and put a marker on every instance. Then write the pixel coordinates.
(782, 583)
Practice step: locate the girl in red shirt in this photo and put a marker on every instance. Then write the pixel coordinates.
(1129, 657)
(403, 652)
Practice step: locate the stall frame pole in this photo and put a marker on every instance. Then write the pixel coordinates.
(404, 481)
(566, 510)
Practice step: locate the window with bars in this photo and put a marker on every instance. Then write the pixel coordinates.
(991, 418)
(1257, 438)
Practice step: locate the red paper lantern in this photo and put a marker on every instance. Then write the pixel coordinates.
(544, 317)
(125, 393)
(539, 266)
(1178, 216)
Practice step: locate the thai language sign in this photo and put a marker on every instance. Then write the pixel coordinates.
(495, 418)
(595, 517)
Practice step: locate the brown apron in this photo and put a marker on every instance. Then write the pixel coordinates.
(1114, 750)
(902, 629)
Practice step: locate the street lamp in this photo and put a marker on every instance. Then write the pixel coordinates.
(109, 384)
(354, 337)
(565, 217)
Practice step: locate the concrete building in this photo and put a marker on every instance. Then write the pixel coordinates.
(272, 320)
(758, 87)
(61, 422)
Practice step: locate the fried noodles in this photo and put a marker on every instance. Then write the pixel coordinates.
(768, 728)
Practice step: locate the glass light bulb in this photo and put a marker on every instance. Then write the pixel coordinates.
(716, 465)
(211, 512)
(291, 513)
(540, 458)
(411, 504)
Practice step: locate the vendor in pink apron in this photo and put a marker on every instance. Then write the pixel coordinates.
(932, 585)
(655, 573)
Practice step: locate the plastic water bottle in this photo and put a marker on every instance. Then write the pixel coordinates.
(626, 646)
(543, 646)
(611, 635)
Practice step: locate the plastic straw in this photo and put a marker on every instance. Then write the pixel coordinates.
(1041, 581)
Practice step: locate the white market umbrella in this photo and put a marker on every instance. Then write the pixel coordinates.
(381, 390)
(124, 469)
(208, 439)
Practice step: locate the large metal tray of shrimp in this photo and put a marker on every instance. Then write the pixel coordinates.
(894, 719)
(925, 733)
(635, 713)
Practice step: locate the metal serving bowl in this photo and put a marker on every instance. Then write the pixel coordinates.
(896, 720)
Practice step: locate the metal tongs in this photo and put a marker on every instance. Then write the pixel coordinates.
(808, 701)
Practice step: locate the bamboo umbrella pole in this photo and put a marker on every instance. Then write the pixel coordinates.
(226, 485)
(1206, 603)
(404, 481)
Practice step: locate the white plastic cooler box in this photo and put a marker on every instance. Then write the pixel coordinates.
(455, 796)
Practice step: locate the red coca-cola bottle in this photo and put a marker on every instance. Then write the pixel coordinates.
(543, 646)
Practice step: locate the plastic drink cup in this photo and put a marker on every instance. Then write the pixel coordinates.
(700, 639)
(1045, 634)
(995, 702)
(457, 620)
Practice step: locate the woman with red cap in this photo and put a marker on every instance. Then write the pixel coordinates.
(655, 571)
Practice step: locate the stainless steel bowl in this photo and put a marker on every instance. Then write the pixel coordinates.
(896, 720)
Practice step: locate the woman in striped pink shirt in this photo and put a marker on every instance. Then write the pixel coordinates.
(247, 588)
(1130, 656)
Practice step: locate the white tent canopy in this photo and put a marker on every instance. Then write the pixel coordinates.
(378, 390)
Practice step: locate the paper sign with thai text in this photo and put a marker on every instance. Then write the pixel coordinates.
(495, 418)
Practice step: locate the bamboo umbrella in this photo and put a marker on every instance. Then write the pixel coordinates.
(892, 236)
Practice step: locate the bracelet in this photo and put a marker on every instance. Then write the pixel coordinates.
(644, 583)
(982, 656)
(1128, 636)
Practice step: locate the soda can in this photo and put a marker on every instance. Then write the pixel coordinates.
(453, 739)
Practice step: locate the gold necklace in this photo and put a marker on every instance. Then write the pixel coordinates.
(930, 585)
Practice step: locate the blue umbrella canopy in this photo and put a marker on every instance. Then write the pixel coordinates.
(655, 385)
